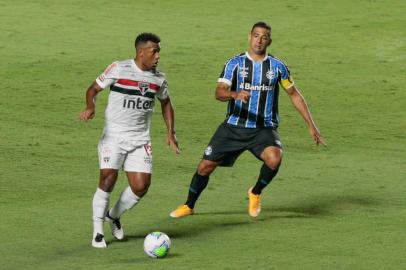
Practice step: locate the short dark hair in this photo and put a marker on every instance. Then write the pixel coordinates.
(145, 37)
(262, 25)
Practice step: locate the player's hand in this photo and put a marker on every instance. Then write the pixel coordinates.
(317, 138)
(173, 143)
(87, 115)
(243, 95)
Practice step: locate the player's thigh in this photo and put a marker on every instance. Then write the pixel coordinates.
(139, 159)
(267, 146)
(138, 166)
(107, 180)
(224, 147)
(111, 156)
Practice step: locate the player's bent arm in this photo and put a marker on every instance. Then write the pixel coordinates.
(91, 93)
(223, 93)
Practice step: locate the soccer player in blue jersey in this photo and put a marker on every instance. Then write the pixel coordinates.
(250, 83)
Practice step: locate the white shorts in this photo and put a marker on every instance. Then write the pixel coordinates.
(131, 155)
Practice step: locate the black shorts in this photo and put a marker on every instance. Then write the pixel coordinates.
(229, 141)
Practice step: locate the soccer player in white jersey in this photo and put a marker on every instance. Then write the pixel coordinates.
(125, 142)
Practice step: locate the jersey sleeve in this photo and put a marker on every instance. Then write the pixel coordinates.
(163, 92)
(286, 79)
(227, 73)
(109, 76)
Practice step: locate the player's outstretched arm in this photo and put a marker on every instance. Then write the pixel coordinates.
(300, 104)
(169, 118)
(91, 93)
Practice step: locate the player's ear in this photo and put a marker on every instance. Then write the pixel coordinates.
(270, 41)
(140, 51)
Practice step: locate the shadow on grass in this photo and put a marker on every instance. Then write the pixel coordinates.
(189, 229)
(322, 206)
(203, 222)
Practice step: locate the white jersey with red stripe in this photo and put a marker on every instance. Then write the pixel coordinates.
(131, 99)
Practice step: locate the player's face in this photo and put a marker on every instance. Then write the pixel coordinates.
(150, 55)
(259, 39)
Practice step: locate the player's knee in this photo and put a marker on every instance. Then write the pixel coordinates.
(140, 189)
(273, 161)
(273, 164)
(206, 167)
(106, 183)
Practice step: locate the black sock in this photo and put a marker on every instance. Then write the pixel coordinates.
(197, 185)
(265, 177)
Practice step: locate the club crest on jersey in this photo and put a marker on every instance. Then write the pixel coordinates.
(270, 74)
(208, 150)
(143, 86)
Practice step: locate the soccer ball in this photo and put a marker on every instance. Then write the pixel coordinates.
(157, 244)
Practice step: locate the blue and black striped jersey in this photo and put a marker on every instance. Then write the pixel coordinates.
(262, 79)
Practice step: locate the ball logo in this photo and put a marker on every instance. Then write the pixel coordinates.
(208, 150)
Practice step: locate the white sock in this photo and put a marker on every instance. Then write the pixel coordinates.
(126, 201)
(100, 205)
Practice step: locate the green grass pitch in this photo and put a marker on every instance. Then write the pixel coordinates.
(340, 207)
